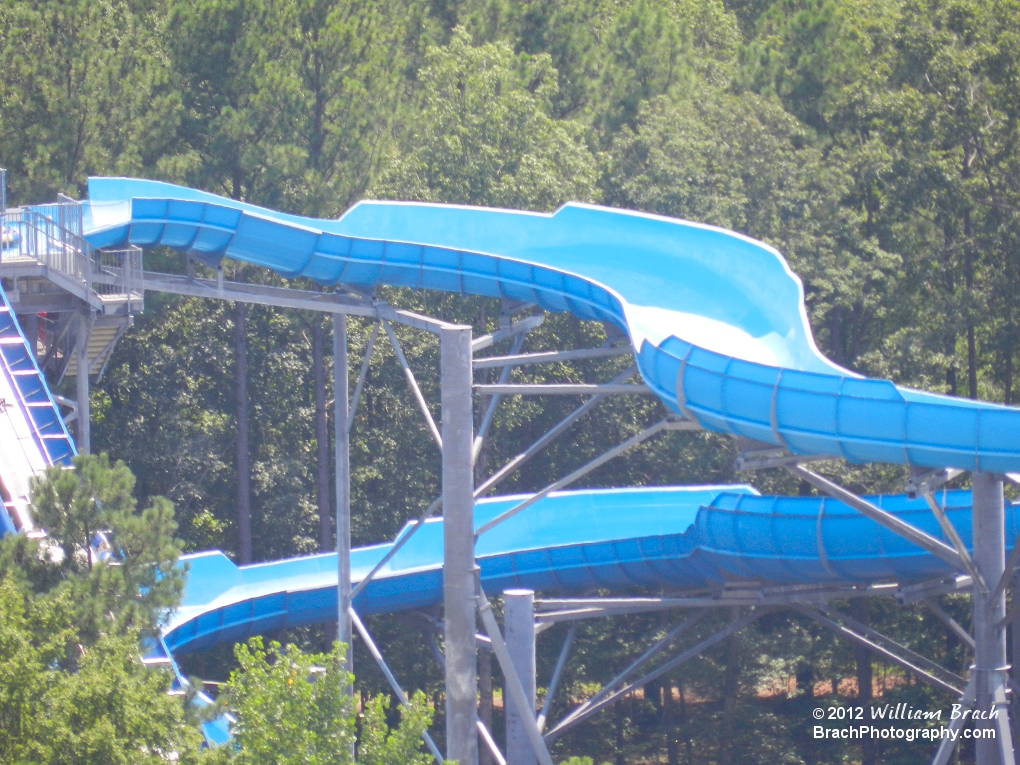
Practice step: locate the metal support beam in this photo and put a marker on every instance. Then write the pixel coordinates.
(951, 534)
(989, 638)
(413, 385)
(524, 325)
(362, 375)
(490, 410)
(557, 389)
(1009, 571)
(630, 443)
(654, 650)
(858, 636)
(891, 645)
(920, 538)
(429, 512)
(342, 480)
(490, 744)
(554, 681)
(458, 547)
(933, 588)
(670, 665)
(519, 629)
(927, 480)
(512, 681)
(286, 297)
(81, 349)
(551, 435)
(949, 743)
(551, 357)
(388, 674)
(949, 621)
(500, 475)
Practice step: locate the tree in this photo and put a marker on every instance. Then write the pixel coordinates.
(85, 90)
(73, 688)
(291, 709)
(64, 699)
(481, 133)
(136, 581)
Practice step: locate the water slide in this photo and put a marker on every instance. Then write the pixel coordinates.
(679, 538)
(720, 328)
(32, 433)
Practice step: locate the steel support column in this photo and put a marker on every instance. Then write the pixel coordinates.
(989, 639)
(459, 546)
(82, 383)
(519, 631)
(342, 447)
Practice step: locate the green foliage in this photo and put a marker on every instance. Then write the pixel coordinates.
(68, 698)
(482, 134)
(140, 581)
(73, 688)
(291, 708)
(85, 90)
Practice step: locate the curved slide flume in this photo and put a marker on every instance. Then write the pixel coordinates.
(722, 336)
(672, 538)
(718, 319)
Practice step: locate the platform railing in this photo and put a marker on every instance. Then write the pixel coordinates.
(50, 235)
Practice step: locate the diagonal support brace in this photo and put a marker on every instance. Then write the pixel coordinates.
(870, 640)
(922, 539)
(413, 385)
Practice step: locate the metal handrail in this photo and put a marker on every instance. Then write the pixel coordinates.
(49, 239)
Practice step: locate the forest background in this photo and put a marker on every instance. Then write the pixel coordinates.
(873, 142)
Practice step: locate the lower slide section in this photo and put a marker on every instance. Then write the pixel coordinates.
(672, 538)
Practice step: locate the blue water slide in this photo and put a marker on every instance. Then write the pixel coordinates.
(720, 327)
(32, 433)
(718, 319)
(666, 538)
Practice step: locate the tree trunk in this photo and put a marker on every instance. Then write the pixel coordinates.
(1008, 399)
(861, 610)
(669, 719)
(621, 724)
(685, 718)
(321, 437)
(731, 682)
(836, 341)
(971, 361)
(243, 460)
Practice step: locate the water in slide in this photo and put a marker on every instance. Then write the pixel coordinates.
(721, 333)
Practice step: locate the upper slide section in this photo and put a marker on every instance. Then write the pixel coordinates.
(718, 319)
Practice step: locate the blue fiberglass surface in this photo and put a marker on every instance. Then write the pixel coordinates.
(571, 542)
(718, 319)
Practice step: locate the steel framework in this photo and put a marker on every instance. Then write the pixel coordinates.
(985, 573)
